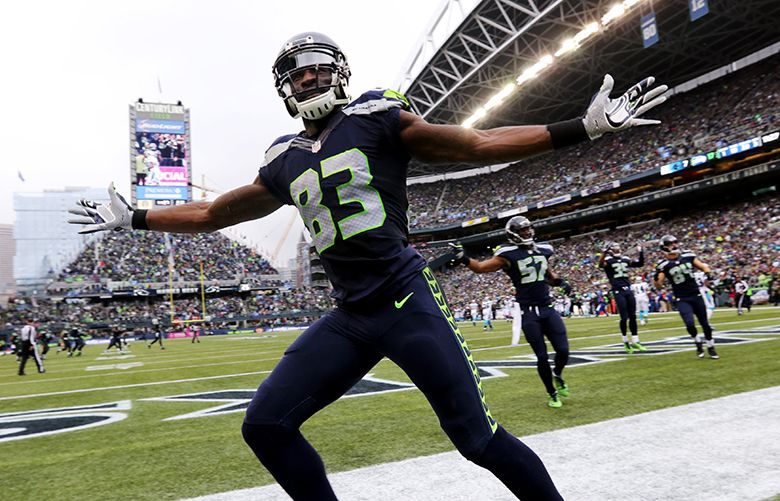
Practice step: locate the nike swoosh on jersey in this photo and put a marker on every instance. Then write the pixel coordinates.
(400, 304)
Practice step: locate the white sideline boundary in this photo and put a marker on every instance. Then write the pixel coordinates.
(724, 449)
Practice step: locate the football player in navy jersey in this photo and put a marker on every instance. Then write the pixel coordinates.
(527, 264)
(346, 174)
(680, 267)
(616, 267)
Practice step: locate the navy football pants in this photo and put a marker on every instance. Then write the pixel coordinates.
(688, 307)
(538, 323)
(626, 305)
(339, 349)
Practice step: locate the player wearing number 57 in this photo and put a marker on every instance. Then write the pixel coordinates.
(346, 174)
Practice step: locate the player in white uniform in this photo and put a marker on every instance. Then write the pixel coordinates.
(640, 290)
(474, 307)
(706, 293)
(487, 314)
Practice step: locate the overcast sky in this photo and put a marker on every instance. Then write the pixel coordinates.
(70, 69)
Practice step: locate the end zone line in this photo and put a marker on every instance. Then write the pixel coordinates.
(136, 385)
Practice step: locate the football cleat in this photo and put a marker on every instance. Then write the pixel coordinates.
(629, 349)
(638, 346)
(554, 402)
(712, 353)
(699, 350)
(561, 386)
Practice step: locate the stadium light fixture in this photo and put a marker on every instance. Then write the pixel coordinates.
(481, 112)
(586, 32)
(534, 70)
(615, 12)
(500, 96)
(573, 43)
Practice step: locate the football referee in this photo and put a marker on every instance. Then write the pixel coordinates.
(27, 338)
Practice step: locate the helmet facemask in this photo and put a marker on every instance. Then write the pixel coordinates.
(520, 231)
(669, 244)
(311, 75)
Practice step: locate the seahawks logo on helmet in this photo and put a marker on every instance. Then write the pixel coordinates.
(669, 243)
(311, 74)
(520, 231)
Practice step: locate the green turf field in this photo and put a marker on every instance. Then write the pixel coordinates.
(144, 457)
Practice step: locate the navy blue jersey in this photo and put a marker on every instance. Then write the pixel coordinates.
(617, 267)
(681, 273)
(528, 269)
(349, 185)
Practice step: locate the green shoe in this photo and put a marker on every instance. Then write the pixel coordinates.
(560, 384)
(638, 347)
(628, 348)
(554, 402)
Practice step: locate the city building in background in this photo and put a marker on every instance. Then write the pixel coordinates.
(6, 261)
(45, 243)
(160, 161)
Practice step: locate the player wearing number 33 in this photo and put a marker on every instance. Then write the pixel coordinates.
(527, 264)
(346, 174)
(616, 267)
(680, 267)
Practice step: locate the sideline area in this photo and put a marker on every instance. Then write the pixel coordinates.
(722, 449)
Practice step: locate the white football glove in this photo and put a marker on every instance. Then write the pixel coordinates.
(117, 215)
(611, 115)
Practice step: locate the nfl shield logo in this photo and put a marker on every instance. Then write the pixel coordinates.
(316, 146)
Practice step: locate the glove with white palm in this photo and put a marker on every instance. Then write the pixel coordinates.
(458, 254)
(117, 215)
(612, 115)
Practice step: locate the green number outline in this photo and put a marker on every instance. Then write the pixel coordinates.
(344, 186)
(620, 268)
(296, 196)
(527, 265)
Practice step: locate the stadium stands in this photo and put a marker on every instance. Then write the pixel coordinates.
(742, 240)
(143, 256)
(693, 122)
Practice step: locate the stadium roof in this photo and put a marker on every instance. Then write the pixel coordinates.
(500, 39)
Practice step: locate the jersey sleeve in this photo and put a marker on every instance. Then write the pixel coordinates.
(271, 172)
(546, 249)
(503, 250)
(384, 106)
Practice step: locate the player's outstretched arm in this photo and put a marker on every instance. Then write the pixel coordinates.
(495, 263)
(452, 143)
(248, 202)
(658, 279)
(698, 263)
(640, 260)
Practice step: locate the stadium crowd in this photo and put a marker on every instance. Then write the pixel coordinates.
(145, 256)
(738, 242)
(82, 313)
(731, 108)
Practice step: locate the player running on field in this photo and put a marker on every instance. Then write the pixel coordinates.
(679, 266)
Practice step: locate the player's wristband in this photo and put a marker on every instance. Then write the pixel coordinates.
(567, 133)
(139, 220)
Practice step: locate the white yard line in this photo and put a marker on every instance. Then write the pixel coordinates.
(136, 385)
(717, 450)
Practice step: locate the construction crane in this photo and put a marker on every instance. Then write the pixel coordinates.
(288, 227)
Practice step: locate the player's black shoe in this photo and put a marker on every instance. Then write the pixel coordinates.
(712, 353)
(699, 349)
